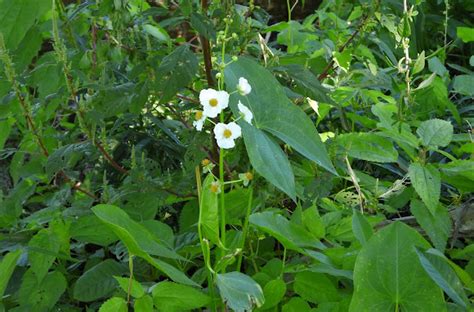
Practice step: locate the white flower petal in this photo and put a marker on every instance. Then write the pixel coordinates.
(244, 87)
(205, 95)
(223, 99)
(246, 112)
(198, 124)
(219, 99)
(235, 129)
(225, 143)
(219, 130)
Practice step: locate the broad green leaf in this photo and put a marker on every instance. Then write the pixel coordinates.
(389, 277)
(268, 159)
(436, 223)
(296, 304)
(427, 183)
(136, 289)
(291, 235)
(169, 296)
(273, 292)
(41, 296)
(208, 211)
(361, 227)
(313, 222)
(435, 132)
(115, 304)
(89, 229)
(143, 304)
(42, 251)
(464, 84)
(274, 113)
(7, 266)
(129, 230)
(315, 287)
(18, 16)
(368, 146)
(239, 291)
(466, 34)
(98, 281)
(139, 241)
(444, 276)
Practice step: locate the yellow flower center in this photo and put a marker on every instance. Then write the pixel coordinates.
(249, 176)
(205, 162)
(198, 115)
(213, 102)
(227, 133)
(214, 187)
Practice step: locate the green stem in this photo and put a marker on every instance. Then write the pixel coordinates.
(288, 5)
(245, 228)
(210, 280)
(222, 196)
(283, 262)
(130, 281)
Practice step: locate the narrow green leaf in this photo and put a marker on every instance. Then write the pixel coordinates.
(361, 227)
(427, 183)
(274, 113)
(157, 32)
(419, 63)
(443, 275)
(7, 266)
(208, 211)
(268, 159)
(436, 223)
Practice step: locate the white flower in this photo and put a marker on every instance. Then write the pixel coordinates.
(213, 101)
(244, 87)
(199, 119)
(245, 112)
(225, 134)
(215, 187)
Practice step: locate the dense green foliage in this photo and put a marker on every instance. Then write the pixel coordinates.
(339, 178)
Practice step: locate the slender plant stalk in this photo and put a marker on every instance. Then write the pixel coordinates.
(25, 105)
(245, 228)
(130, 280)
